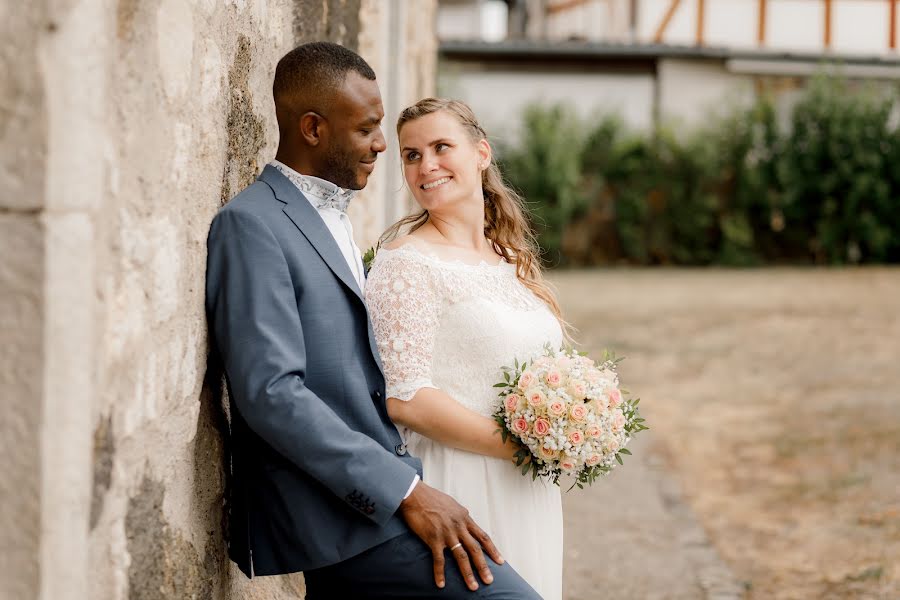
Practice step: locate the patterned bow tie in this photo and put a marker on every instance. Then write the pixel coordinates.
(338, 201)
(321, 193)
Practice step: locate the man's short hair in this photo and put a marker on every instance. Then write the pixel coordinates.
(308, 76)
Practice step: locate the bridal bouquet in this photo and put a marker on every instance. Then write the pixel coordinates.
(569, 413)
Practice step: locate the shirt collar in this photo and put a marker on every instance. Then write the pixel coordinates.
(320, 193)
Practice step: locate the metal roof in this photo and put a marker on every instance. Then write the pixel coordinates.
(581, 50)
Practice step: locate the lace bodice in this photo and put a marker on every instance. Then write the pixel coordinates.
(450, 325)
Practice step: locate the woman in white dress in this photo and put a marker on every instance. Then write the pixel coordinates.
(452, 301)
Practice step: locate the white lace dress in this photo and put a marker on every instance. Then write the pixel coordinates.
(451, 326)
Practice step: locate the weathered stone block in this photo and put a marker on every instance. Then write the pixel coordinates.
(21, 375)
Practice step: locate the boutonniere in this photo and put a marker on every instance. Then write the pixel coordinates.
(368, 257)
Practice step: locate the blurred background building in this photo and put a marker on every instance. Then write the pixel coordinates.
(654, 60)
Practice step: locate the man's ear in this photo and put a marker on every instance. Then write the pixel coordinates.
(312, 125)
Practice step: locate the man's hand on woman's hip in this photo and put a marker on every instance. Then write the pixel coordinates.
(443, 523)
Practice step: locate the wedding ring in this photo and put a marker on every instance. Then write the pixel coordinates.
(456, 546)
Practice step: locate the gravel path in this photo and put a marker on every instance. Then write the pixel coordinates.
(646, 543)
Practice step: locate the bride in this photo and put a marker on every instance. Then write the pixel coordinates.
(456, 297)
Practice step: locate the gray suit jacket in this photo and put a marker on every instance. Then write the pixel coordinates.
(318, 469)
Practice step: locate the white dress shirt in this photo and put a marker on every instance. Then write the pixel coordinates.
(331, 201)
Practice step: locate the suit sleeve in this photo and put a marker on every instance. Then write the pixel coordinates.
(252, 310)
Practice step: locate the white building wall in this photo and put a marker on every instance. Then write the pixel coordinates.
(499, 98)
(692, 91)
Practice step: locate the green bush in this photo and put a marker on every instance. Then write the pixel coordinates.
(546, 167)
(740, 191)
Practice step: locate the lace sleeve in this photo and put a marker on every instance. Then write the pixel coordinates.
(404, 304)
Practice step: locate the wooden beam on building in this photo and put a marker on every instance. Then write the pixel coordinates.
(761, 31)
(701, 5)
(564, 5)
(661, 30)
(892, 28)
(827, 23)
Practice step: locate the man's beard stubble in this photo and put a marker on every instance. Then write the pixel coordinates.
(339, 168)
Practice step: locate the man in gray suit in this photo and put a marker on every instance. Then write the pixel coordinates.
(321, 480)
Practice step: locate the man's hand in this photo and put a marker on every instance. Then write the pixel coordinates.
(442, 523)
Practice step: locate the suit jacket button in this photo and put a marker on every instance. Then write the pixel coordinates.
(400, 449)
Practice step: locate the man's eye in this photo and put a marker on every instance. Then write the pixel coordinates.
(440, 147)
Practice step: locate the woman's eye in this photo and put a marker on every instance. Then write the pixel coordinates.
(412, 156)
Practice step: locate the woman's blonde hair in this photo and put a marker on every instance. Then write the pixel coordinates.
(505, 224)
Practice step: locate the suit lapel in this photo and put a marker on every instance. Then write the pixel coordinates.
(306, 218)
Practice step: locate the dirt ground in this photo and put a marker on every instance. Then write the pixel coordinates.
(772, 469)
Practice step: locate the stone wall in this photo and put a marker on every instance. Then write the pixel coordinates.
(124, 126)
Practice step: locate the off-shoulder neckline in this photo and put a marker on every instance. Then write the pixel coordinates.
(503, 265)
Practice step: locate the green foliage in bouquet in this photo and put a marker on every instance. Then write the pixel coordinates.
(634, 422)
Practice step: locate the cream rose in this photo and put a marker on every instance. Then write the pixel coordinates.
(526, 380)
(536, 398)
(554, 378)
(594, 459)
(577, 389)
(593, 432)
(547, 454)
(576, 437)
(541, 427)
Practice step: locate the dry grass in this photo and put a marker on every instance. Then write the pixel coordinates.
(776, 396)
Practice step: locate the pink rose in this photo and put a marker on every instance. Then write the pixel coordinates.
(593, 432)
(512, 402)
(563, 362)
(526, 380)
(593, 459)
(520, 426)
(541, 427)
(576, 437)
(567, 463)
(557, 408)
(554, 378)
(578, 412)
(536, 398)
(615, 397)
(618, 420)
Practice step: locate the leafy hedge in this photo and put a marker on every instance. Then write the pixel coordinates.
(822, 187)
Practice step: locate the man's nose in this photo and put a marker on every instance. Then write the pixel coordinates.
(379, 144)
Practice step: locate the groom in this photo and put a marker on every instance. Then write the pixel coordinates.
(321, 480)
